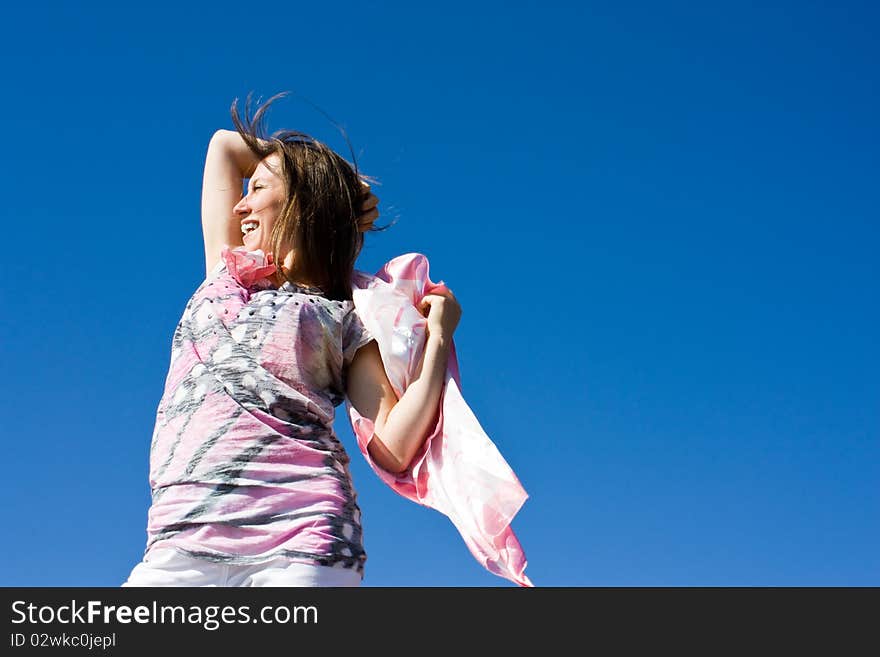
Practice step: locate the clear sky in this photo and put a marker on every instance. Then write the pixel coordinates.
(660, 219)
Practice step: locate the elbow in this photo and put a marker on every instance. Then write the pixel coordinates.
(397, 470)
(388, 459)
(397, 464)
(220, 137)
(401, 466)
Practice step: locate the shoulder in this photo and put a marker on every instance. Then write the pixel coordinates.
(351, 317)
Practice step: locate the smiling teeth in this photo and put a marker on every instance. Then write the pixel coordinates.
(248, 227)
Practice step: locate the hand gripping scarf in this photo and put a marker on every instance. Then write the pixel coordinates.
(459, 471)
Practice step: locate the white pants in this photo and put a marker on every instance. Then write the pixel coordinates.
(168, 567)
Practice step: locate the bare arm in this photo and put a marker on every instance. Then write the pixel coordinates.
(228, 162)
(401, 426)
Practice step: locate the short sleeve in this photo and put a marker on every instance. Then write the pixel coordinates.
(354, 336)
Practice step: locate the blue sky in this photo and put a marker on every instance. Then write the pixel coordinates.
(660, 220)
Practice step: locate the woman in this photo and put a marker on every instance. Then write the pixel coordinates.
(250, 485)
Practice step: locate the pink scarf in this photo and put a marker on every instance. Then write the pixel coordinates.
(459, 472)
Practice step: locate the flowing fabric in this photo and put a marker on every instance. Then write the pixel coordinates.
(459, 471)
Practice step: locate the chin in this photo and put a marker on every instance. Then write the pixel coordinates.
(251, 243)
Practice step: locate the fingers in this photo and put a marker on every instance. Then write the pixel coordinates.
(434, 297)
(366, 190)
(370, 202)
(442, 293)
(439, 294)
(365, 221)
(425, 303)
(369, 214)
(369, 208)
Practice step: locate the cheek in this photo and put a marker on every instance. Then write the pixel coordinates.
(266, 225)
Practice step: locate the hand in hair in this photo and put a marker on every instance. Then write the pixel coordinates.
(369, 209)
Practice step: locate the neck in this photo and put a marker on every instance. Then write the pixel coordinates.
(288, 271)
(278, 279)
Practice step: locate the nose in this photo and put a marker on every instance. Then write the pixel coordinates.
(241, 208)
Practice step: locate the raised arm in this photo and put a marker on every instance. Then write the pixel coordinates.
(401, 426)
(228, 162)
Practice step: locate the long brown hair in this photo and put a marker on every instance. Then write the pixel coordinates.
(324, 197)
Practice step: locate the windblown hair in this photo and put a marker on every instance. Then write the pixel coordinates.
(320, 215)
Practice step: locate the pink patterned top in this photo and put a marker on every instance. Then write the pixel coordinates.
(244, 464)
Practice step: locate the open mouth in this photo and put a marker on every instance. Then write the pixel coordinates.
(248, 227)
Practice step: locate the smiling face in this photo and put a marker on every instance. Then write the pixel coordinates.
(262, 205)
